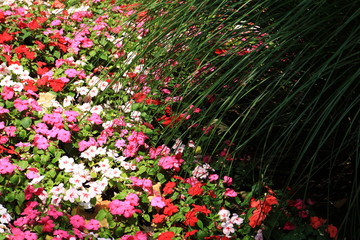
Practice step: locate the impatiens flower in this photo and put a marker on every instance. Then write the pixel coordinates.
(230, 192)
(289, 226)
(228, 180)
(196, 190)
(71, 72)
(332, 231)
(159, 218)
(21, 105)
(224, 214)
(166, 236)
(316, 222)
(188, 234)
(169, 188)
(190, 218)
(93, 224)
(6, 167)
(77, 221)
(157, 202)
(228, 228)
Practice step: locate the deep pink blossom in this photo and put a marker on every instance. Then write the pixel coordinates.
(77, 221)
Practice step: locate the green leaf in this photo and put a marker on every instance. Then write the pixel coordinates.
(101, 215)
(20, 196)
(23, 164)
(57, 54)
(10, 197)
(161, 177)
(26, 122)
(146, 217)
(200, 224)
(14, 179)
(142, 169)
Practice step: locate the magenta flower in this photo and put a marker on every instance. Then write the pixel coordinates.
(93, 224)
(230, 192)
(77, 221)
(21, 105)
(40, 142)
(157, 202)
(71, 72)
(6, 167)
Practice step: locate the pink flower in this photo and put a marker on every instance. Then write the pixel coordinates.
(157, 202)
(21, 105)
(71, 72)
(53, 213)
(77, 221)
(230, 192)
(64, 136)
(92, 225)
(7, 93)
(10, 131)
(87, 43)
(95, 118)
(3, 139)
(33, 173)
(55, 23)
(228, 180)
(6, 167)
(40, 142)
(133, 199)
(167, 162)
(213, 177)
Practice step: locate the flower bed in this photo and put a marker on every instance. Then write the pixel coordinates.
(80, 134)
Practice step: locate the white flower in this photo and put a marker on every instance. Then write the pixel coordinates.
(65, 162)
(17, 69)
(135, 115)
(57, 190)
(130, 57)
(67, 101)
(97, 109)
(71, 195)
(86, 196)
(93, 81)
(117, 87)
(36, 180)
(235, 219)
(6, 81)
(82, 90)
(5, 218)
(77, 180)
(228, 228)
(102, 85)
(85, 107)
(224, 214)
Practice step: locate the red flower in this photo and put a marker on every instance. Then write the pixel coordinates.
(289, 226)
(190, 218)
(332, 231)
(195, 190)
(33, 25)
(166, 236)
(316, 222)
(188, 234)
(220, 51)
(257, 218)
(139, 97)
(203, 209)
(4, 37)
(170, 209)
(159, 218)
(169, 188)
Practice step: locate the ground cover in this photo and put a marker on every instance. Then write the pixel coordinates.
(83, 121)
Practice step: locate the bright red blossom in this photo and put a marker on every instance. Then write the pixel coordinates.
(166, 236)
